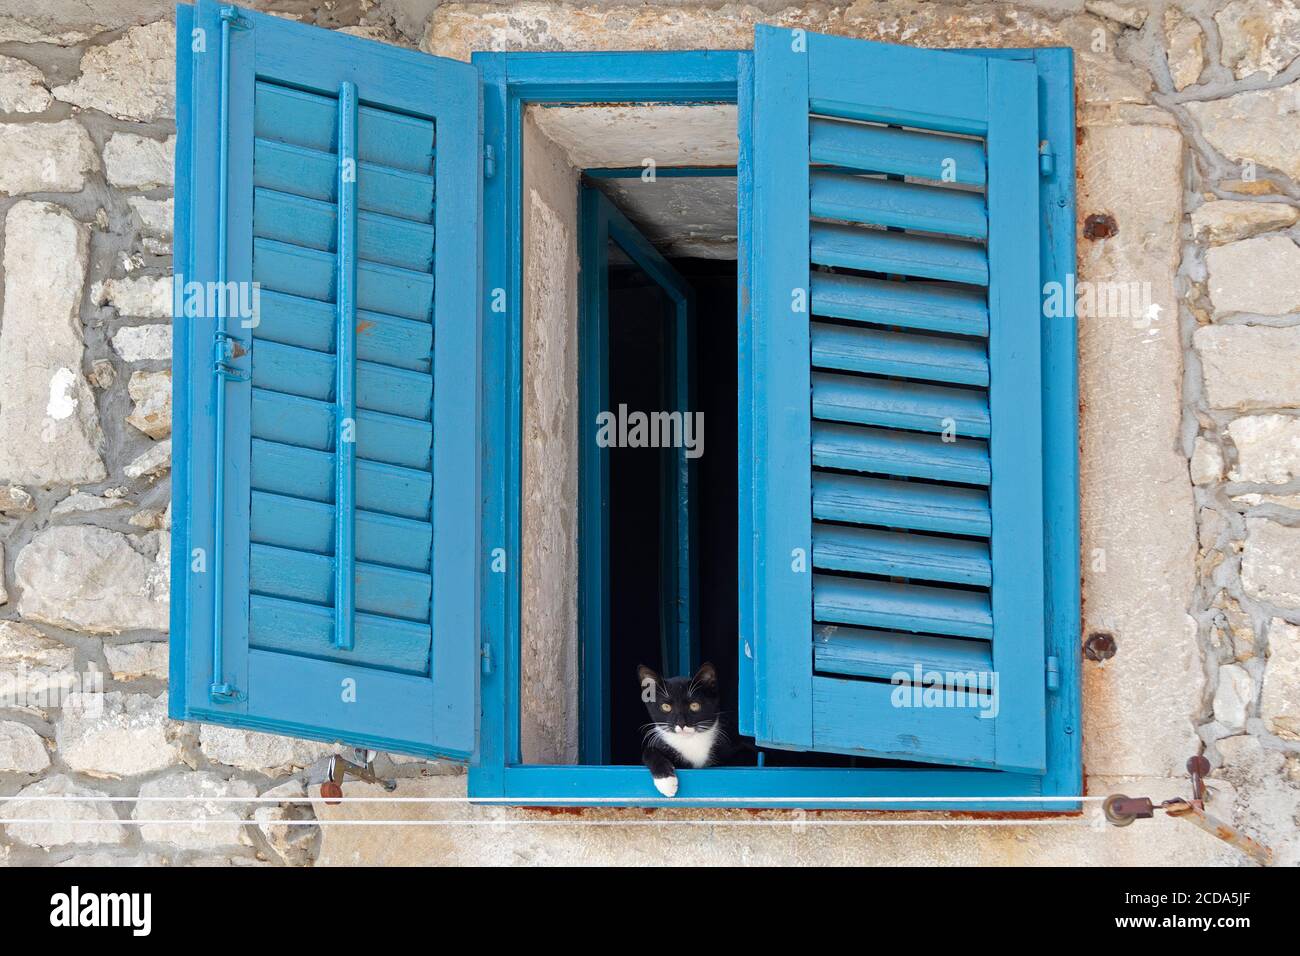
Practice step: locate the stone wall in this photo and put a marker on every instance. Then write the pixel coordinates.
(1189, 141)
(86, 142)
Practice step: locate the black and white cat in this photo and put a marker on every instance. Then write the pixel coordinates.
(686, 729)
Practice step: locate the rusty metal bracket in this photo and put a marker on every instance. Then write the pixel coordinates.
(1121, 810)
(1184, 810)
(331, 790)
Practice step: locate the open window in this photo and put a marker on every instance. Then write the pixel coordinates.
(820, 264)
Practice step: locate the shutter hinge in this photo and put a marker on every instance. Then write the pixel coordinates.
(1046, 159)
(1053, 673)
(485, 655)
(489, 161)
(231, 15)
(225, 349)
(225, 694)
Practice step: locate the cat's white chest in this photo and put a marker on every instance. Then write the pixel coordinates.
(693, 748)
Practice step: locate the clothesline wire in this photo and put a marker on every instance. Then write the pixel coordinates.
(534, 802)
(556, 823)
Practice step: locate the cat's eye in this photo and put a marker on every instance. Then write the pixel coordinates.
(695, 705)
(665, 707)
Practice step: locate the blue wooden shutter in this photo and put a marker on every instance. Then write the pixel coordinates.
(892, 247)
(327, 458)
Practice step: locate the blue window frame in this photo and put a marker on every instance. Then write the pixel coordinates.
(328, 595)
(514, 80)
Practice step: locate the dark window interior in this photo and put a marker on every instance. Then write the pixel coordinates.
(640, 314)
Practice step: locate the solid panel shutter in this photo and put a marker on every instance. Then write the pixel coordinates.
(337, 178)
(896, 432)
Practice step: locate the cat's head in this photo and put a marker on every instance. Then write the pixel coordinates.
(682, 705)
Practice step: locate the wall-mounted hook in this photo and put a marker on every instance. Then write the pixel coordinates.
(331, 790)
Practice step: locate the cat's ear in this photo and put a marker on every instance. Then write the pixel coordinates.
(706, 677)
(649, 682)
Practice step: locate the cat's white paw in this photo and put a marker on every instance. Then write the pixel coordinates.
(666, 785)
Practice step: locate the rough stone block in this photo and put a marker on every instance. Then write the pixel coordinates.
(1270, 563)
(1268, 448)
(1258, 36)
(32, 666)
(1248, 366)
(65, 821)
(21, 749)
(49, 428)
(154, 463)
(139, 162)
(1186, 49)
(45, 157)
(144, 343)
(1206, 463)
(132, 661)
(125, 735)
(1226, 220)
(1255, 275)
(1259, 126)
(132, 78)
(15, 500)
(156, 217)
(198, 826)
(22, 87)
(1279, 704)
(1267, 795)
(1233, 697)
(147, 297)
(90, 579)
(81, 503)
(152, 394)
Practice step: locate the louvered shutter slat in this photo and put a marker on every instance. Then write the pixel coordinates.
(927, 357)
(915, 505)
(302, 171)
(836, 244)
(914, 405)
(295, 627)
(385, 439)
(310, 374)
(314, 224)
(302, 576)
(903, 454)
(879, 149)
(285, 469)
(910, 607)
(911, 305)
(308, 324)
(886, 202)
(895, 554)
(859, 652)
